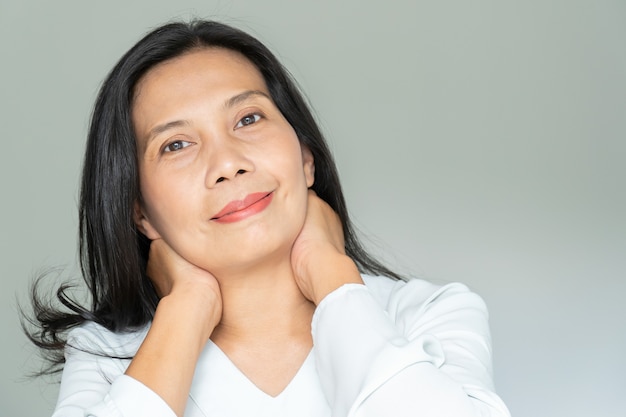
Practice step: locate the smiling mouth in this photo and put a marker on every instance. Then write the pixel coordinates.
(240, 209)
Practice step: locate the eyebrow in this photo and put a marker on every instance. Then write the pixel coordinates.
(246, 95)
(229, 103)
(157, 130)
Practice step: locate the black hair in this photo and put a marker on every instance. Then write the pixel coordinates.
(113, 253)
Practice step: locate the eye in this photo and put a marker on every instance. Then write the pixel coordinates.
(248, 119)
(176, 145)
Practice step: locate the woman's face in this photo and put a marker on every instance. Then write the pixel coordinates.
(223, 176)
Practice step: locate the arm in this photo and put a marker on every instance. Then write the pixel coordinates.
(167, 358)
(95, 385)
(158, 379)
(428, 354)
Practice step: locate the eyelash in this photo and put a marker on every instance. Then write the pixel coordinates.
(255, 117)
(183, 144)
(252, 119)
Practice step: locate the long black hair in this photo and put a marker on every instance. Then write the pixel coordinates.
(113, 253)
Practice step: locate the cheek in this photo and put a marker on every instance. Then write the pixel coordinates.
(166, 204)
(295, 162)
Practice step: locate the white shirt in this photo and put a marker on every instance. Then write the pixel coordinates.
(387, 348)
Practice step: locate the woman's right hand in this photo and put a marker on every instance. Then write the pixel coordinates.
(169, 271)
(189, 310)
(177, 279)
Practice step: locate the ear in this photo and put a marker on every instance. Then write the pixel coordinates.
(308, 164)
(143, 224)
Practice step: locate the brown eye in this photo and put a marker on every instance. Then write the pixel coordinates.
(248, 120)
(176, 145)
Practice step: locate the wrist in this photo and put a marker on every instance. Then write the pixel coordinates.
(194, 315)
(329, 276)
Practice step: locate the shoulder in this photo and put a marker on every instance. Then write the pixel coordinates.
(93, 338)
(421, 304)
(414, 292)
(386, 289)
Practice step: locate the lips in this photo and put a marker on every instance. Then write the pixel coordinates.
(240, 209)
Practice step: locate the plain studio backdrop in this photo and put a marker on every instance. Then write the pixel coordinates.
(482, 142)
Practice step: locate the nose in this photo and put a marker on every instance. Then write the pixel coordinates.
(227, 160)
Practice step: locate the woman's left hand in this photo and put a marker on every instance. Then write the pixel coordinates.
(318, 256)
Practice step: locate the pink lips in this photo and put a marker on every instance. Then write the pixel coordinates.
(240, 209)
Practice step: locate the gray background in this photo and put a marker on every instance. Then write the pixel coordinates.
(479, 141)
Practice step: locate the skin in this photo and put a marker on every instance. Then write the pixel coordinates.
(208, 134)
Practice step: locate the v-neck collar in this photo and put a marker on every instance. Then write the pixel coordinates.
(220, 388)
(237, 373)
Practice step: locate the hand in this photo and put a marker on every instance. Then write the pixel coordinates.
(177, 279)
(189, 310)
(318, 256)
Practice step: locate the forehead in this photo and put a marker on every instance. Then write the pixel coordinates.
(204, 68)
(200, 80)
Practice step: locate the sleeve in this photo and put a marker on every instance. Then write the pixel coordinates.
(426, 353)
(94, 385)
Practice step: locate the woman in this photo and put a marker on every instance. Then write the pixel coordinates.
(223, 269)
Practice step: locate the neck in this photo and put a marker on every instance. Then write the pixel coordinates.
(263, 305)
